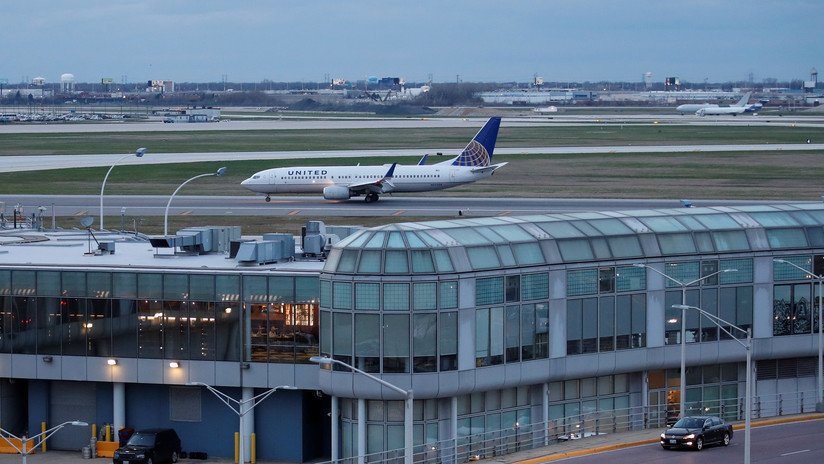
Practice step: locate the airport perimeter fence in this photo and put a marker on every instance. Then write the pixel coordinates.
(474, 446)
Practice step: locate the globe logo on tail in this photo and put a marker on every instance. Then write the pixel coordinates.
(473, 155)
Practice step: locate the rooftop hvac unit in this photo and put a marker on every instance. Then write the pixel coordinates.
(214, 239)
(287, 243)
(260, 252)
(234, 247)
(313, 244)
(193, 241)
(106, 247)
(315, 227)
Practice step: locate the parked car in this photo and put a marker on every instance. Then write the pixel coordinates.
(695, 432)
(149, 446)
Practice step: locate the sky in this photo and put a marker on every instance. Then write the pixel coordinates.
(470, 40)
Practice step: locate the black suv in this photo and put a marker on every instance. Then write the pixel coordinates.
(149, 447)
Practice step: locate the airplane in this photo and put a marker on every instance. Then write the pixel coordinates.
(739, 108)
(702, 109)
(545, 109)
(345, 182)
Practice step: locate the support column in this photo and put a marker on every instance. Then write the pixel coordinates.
(248, 422)
(645, 407)
(545, 411)
(453, 421)
(118, 407)
(408, 433)
(335, 421)
(361, 431)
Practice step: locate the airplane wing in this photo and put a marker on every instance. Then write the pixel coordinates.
(491, 167)
(382, 185)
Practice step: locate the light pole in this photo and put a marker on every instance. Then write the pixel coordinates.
(408, 403)
(138, 153)
(748, 347)
(819, 406)
(682, 391)
(240, 407)
(42, 436)
(220, 172)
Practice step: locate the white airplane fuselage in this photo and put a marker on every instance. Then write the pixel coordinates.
(410, 178)
(719, 110)
(693, 107)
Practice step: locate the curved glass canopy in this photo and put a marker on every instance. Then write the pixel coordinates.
(464, 245)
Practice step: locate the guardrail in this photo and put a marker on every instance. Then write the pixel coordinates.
(517, 437)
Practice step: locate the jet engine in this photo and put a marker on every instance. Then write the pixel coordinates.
(336, 192)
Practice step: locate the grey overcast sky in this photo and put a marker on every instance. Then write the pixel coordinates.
(480, 40)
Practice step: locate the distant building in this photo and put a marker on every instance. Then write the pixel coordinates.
(672, 83)
(535, 97)
(205, 114)
(160, 86)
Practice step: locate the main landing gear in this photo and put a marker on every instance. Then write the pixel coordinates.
(371, 197)
(268, 198)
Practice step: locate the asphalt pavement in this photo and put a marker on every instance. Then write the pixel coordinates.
(554, 452)
(615, 441)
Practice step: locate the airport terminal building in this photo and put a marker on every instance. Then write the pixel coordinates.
(510, 332)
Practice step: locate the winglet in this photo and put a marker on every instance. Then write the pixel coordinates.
(391, 171)
(423, 160)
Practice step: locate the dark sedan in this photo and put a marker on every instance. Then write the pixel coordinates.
(695, 432)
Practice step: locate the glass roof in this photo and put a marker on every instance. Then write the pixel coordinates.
(463, 245)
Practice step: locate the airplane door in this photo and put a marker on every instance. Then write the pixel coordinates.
(271, 180)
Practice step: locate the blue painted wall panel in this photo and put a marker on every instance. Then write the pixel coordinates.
(279, 426)
(38, 404)
(148, 406)
(105, 406)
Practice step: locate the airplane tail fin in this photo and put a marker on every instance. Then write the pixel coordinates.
(744, 99)
(479, 150)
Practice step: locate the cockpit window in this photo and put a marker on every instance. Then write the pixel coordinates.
(255, 177)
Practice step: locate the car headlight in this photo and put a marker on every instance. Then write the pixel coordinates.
(663, 435)
(689, 437)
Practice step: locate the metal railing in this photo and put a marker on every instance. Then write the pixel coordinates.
(485, 445)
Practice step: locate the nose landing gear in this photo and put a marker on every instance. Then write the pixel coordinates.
(268, 198)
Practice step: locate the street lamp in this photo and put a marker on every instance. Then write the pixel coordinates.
(220, 172)
(241, 407)
(139, 153)
(682, 401)
(41, 437)
(408, 403)
(748, 347)
(819, 406)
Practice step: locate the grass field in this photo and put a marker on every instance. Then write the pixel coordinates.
(779, 175)
(277, 140)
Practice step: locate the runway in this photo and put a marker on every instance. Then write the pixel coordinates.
(45, 162)
(271, 121)
(315, 206)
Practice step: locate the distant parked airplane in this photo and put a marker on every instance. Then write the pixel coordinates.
(739, 108)
(344, 182)
(704, 109)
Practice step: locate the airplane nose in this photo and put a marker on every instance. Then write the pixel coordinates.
(246, 182)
